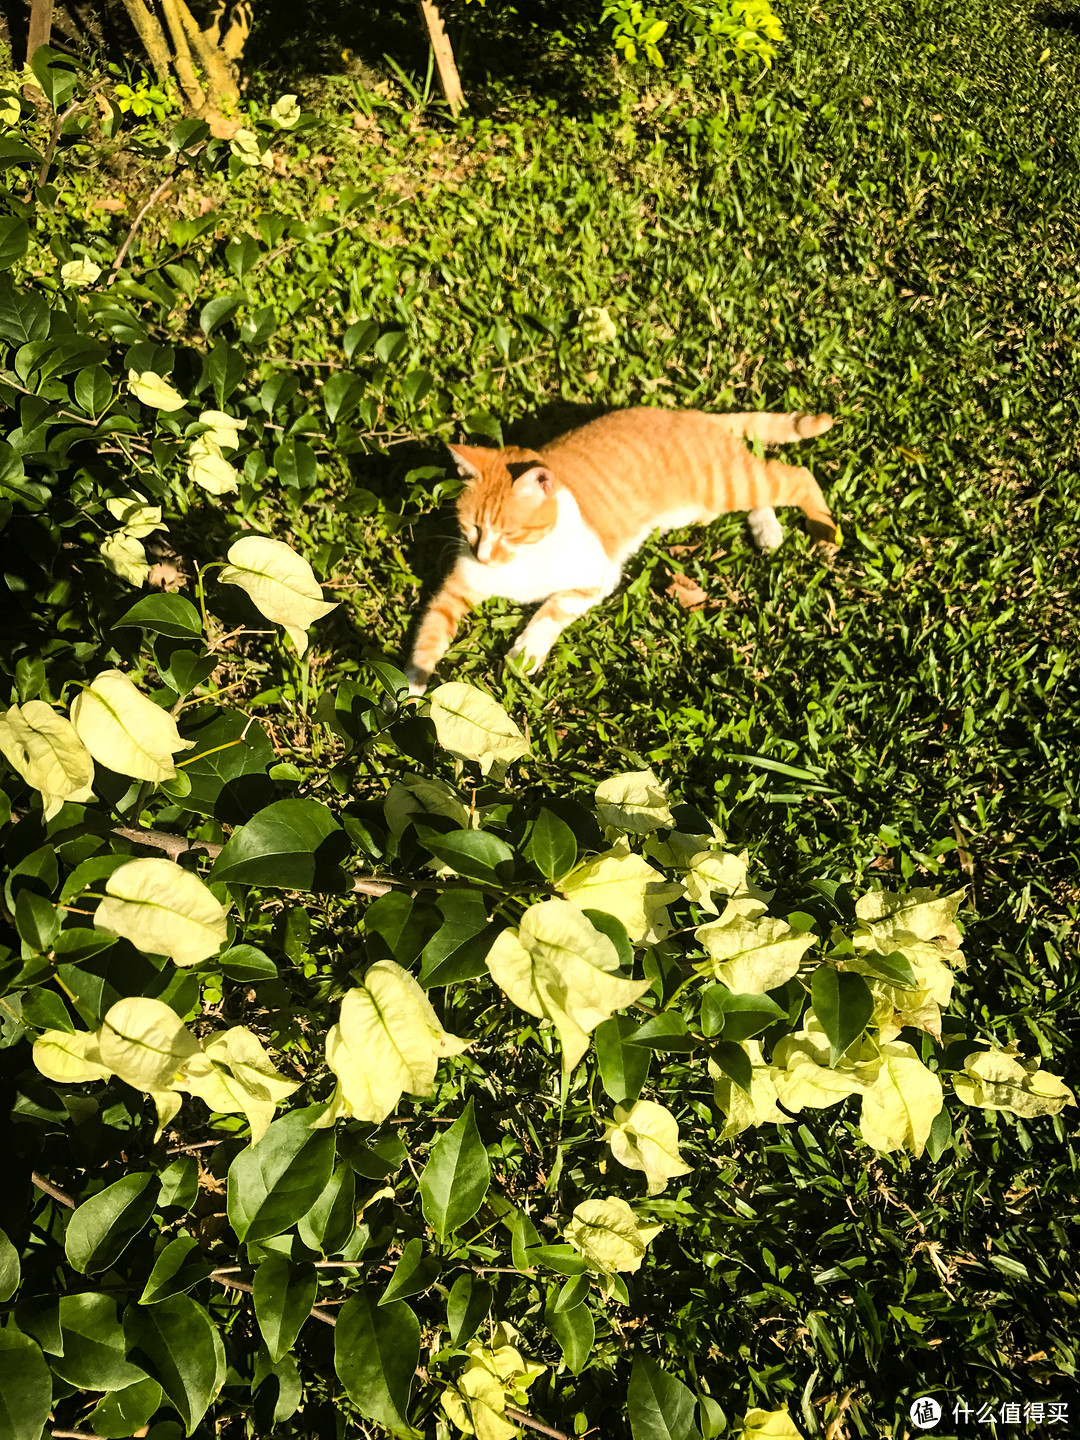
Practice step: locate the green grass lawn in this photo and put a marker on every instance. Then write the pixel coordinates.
(884, 226)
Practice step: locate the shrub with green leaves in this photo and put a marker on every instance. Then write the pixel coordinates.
(400, 1029)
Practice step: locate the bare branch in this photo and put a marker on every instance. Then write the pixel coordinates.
(114, 269)
(53, 1191)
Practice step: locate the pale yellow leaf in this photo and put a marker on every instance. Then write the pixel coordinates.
(80, 272)
(136, 516)
(1004, 1080)
(387, 1040)
(920, 1008)
(753, 954)
(473, 726)
(921, 913)
(73, 1059)
(646, 1137)
(163, 909)
(208, 468)
(636, 802)
(234, 1074)
(742, 1110)
(126, 731)
(767, 1425)
(558, 967)
(44, 748)
(153, 390)
(609, 1236)
(898, 1109)
(285, 112)
(146, 1043)
(281, 585)
(167, 1104)
(679, 848)
(624, 885)
(126, 557)
(224, 429)
(804, 1078)
(247, 148)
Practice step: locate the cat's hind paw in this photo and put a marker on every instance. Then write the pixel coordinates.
(766, 529)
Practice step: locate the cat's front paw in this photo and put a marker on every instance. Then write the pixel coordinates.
(524, 658)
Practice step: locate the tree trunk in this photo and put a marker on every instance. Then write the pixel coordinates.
(40, 32)
(449, 80)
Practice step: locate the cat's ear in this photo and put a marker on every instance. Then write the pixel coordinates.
(468, 459)
(536, 484)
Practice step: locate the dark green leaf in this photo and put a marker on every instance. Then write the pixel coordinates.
(284, 1294)
(215, 311)
(14, 240)
(179, 1267)
(467, 1307)
(572, 1327)
(563, 1259)
(126, 1411)
(104, 1226)
(623, 1066)
(25, 1386)
(9, 1267)
(95, 1348)
(228, 766)
(341, 395)
(659, 1406)
(456, 1177)
(179, 1183)
(247, 964)
(275, 1183)
(615, 931)
(291, 845)
(295, 463)
(178, 1344)
(170, 615)
(666, 1031)
(473, 853)
(733, 1061)
(329, 1223)
(376, 1349)
(736, 1017)
(414, 1273)
(843, 1004)
(360, 337)
(36, 920)
(458, 949)
(552, 847)
(895, 968)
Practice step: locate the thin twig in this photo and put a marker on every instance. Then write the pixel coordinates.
(177, 845)
(530, 1424)
(125, 247)
(50, 148)
(226, 1280)
(53, 1191)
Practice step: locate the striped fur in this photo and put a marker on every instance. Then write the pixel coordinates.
(557, 525)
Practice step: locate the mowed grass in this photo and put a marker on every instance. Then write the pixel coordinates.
(885, 226)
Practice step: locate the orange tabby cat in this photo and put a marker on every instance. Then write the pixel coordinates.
(557, 525)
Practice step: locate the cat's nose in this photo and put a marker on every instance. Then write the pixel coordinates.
(484, 550)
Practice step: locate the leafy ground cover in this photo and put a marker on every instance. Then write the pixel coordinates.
(885, 227)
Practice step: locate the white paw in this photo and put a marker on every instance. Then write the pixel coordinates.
(528, 660)
(766, 529)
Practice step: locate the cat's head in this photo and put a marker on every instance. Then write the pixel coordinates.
(509, 500)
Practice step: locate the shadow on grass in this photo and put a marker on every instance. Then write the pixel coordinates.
(555, 48)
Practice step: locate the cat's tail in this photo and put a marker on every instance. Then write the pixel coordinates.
(773, 429)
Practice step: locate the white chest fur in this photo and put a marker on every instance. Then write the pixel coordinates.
(570, 557)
